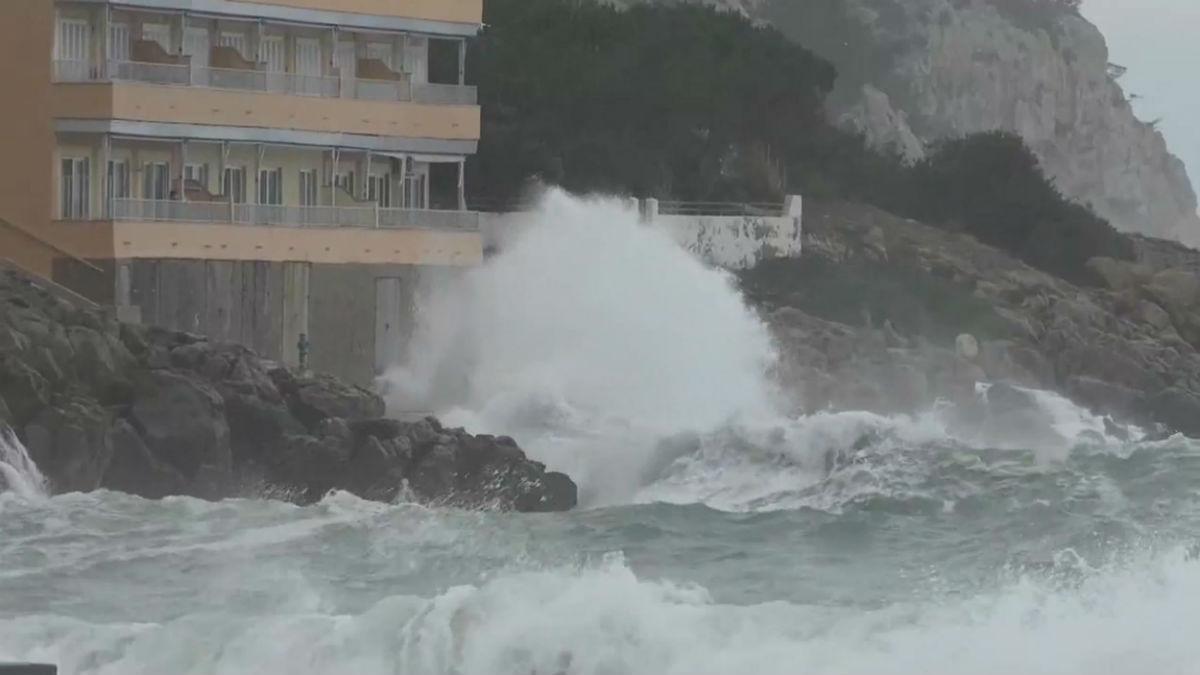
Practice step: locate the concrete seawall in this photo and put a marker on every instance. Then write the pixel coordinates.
(733, 240)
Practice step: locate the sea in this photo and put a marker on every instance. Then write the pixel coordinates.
(719, 530)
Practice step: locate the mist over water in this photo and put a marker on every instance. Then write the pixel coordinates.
(719, 534)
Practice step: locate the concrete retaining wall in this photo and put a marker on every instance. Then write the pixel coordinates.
(730, 241)
(358, 318)
(733, 242)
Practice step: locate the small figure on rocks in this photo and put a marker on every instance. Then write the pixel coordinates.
(302, 347)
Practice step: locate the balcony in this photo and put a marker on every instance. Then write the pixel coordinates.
(260, 80)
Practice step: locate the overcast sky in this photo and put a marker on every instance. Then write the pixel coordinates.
(1159, 42)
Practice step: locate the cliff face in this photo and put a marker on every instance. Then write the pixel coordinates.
(915, 71)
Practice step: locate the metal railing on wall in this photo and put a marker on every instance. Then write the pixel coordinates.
(292, 216)
(681, 208)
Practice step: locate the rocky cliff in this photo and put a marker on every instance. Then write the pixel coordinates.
(916, 71)
(105, 405)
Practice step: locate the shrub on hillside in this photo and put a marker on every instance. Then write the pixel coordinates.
(991, 185)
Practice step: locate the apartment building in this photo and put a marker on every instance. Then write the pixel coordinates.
(255, 170)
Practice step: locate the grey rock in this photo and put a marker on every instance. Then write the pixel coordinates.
(1179, 409)
(135, 470)
(69, 442)
(321, 397)
(24, 389)
(182, 420)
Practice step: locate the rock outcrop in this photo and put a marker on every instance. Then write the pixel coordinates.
(155, 413)
(1128, 347)
(913, 72)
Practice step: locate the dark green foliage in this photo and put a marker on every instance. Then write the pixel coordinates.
(684, 102)
(852, 292)
(991, 186)
(654, 100)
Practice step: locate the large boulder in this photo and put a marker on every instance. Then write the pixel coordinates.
(102, 361)
(320, 397)
(70, 444)
(182, 420)
(24, 389)
(135, 470)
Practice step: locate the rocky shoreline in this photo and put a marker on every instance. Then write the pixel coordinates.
(868, 319)
(104, 405)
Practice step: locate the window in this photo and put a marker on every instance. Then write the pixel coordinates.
(235, 40)
(379, 189)
(309, 195)
(233, 185)
(156, 181)
(347, 59)
(415, 183)
(270, 187)
(158, 32)
(345, 182)
(119, 44)
(75, 182)
(416, 58)
(73, 50)
(74, 40)
(118, 181)
(196, 175)
(380, 51)
(310, 64)
(308, 56)
(196, 45)
(273, 53)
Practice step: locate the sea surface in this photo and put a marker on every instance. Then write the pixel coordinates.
(717, 534)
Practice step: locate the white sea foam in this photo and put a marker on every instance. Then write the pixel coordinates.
(606, 620)
(17, 469)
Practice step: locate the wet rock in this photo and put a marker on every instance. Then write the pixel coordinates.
(212, 420)
(317, 398)
(182, 420)
(1179, 409)
(69, 442)
(24, 388)
(135, 470)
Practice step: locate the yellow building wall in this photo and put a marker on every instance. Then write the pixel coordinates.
(457, 11)
(292, 244)
(26, 127)
(197, 105)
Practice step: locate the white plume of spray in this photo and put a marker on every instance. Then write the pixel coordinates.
(589, 338)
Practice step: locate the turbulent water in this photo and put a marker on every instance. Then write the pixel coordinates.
(716, 536)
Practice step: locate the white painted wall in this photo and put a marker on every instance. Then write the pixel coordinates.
(731, 242)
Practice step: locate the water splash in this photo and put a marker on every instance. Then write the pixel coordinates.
(17, 468)
(589, 338)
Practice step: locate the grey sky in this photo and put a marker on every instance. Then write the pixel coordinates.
(1157, 41)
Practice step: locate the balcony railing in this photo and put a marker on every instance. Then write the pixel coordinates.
(259, 80)
(162, 210)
